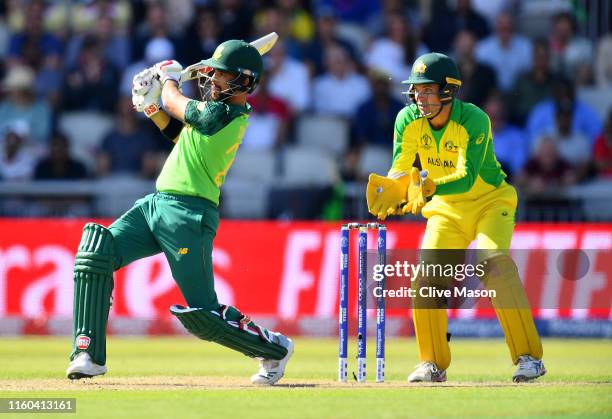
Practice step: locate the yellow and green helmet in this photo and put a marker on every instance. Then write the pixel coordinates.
(435, 68)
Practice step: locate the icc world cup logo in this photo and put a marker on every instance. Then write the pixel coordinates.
(425, 142)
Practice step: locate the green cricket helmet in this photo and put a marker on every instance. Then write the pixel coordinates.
(238, 57)
(435, 68)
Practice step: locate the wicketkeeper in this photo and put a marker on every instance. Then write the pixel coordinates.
(464, 197)
(181, 218)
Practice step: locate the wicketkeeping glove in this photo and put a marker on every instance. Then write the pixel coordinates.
(420, 187)
(169, 70)
(384, 194)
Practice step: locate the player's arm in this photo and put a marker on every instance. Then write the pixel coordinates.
(173, 101)
(385, 194)
(470, 158)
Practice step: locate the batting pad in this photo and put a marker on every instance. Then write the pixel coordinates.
(229, 327)
(93, 285)
(430, 329)
(512, 308)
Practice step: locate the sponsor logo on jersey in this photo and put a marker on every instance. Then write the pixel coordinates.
(450, 146)
(426, 142)
(82, 342)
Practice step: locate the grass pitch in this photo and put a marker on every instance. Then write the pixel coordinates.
(188, 378)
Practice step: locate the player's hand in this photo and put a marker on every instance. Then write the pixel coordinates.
(143, 81)
(420, 187)
(149, 102)
(169, 70)
(384, 195)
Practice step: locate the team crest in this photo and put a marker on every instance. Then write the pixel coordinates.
(419, 67)
(425, 142)
(450, 146)
(218, 52)
(82, 342)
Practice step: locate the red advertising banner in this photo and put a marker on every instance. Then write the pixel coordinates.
(284, 270)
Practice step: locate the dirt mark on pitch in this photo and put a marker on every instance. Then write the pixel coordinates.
(236, 383)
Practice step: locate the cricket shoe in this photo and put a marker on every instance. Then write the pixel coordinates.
(83, 367)
(528, 369)
(272, 370)
(427, 372)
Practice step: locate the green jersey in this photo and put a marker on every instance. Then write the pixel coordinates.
(459, 157)
(205, 149)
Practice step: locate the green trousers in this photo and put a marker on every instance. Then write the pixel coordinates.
(183, 227)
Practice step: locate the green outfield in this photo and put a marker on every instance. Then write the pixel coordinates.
(187, 378)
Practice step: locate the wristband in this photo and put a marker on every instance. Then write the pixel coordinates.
(173, 129)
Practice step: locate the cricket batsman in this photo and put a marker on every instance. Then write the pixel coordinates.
(463, 194)
(181, 218)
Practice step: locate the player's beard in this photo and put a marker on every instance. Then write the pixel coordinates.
(205, 84)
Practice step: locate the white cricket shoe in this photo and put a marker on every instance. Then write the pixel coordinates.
(427, 372)
(271, 370)
(528, 369)
(83, 367)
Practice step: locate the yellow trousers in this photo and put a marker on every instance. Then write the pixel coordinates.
(454, 225)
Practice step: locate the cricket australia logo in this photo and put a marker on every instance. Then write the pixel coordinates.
(426, 142)
(450, 146)
(420, 67)
(82, 342)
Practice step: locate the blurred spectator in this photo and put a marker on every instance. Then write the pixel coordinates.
(289, 78)
(325, 36)
(603, 63)
(477, 80)
(301, 25)
(541, 120)
(533, 86)
(269, 121)
(204, 35)
(273, 19)
(602, 151)
(572, 146)
(21, 104)
(506, 51)
(511, 148)
(572, 55)
(34, 46)
(395, 52)
(356, 11)
(156, 26)
(158, 49)
(88, 13)
(115, 46)
(16, 161)
(128, 149)
(546, 170)
(93, 83)
(441, 31)
(375, 117)
(58, 164)
(236, 19)
(341, 89)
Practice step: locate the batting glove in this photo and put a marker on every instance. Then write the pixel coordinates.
(149, 102)
(169, 70)
(143, 81)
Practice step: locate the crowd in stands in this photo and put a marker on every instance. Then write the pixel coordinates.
(66, 71)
